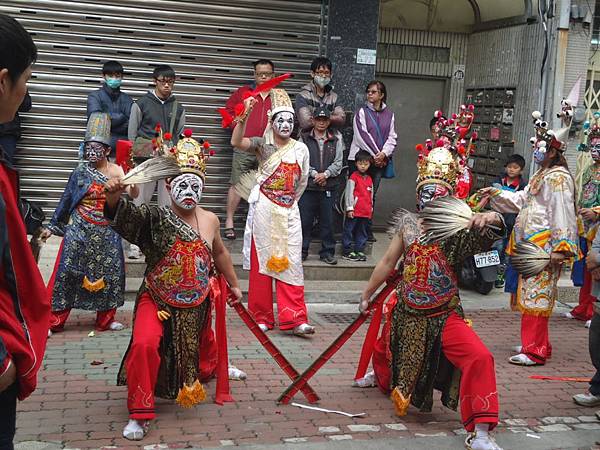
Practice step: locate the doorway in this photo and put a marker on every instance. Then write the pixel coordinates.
(413, 101)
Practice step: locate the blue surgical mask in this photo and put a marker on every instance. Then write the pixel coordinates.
(539, 154)
(113, 82)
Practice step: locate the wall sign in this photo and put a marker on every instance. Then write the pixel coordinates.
(366, 56)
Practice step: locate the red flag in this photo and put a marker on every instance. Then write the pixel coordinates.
(270, 84)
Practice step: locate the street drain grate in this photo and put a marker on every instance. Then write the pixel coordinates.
(343, 318)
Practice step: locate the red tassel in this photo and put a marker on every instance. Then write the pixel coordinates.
(168, 136)
(219, 292)
(206, 145)
(188, 132)
(419, 147)
(226, 118)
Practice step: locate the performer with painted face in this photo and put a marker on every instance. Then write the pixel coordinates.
(426, 342)
(589, 214)
(89, 272)
(188, 268)
(548, 219)
(273, 237)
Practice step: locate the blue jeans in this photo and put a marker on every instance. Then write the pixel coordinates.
(355, 230)
(318, 204)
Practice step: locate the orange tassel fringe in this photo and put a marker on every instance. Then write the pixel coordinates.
(278, 264)
(93, 286)
(191, 395)
(401, 403)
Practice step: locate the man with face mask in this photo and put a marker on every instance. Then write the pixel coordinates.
(89, 272)
(189, 272)
(319, 93)
(426, 340)
(548, 219)
(110, 99)
(589, 213)
(273, 237)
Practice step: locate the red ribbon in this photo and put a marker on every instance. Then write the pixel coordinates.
(219, 291)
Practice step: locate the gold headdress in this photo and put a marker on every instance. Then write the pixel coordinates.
(280, 101)
(191, 155)
(444, 162)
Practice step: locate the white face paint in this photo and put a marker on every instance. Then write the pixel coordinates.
(283, 124)
(186, 190)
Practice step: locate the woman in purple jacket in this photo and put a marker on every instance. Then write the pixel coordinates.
(374, 131)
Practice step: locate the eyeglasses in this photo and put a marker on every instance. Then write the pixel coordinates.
(165, 81)
(264, 74)
(323, 73)
(372, 92)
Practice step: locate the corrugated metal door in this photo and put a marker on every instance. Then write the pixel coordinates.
(210, 44)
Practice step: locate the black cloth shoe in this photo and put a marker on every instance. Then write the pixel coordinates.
(371, 238)
(329, 260)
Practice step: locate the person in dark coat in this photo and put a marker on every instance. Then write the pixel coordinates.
(109, 99)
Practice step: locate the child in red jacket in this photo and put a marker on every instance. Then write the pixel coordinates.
(359, 208)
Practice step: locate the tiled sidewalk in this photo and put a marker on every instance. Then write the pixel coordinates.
(78, 405)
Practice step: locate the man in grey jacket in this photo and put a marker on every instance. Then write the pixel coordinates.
(319, 93)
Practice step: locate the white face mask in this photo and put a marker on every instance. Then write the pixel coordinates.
(186, 190)
(283, 124)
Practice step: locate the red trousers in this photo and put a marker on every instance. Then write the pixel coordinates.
(103, 319)
(143, 359)
(466, 352)
(585, 309)
(291, 308)
(535, 339)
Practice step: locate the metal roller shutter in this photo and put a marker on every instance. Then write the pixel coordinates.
(210, 44)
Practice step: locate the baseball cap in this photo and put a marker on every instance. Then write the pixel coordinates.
(321, 111)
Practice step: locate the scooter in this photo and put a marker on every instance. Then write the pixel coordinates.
(479, 272)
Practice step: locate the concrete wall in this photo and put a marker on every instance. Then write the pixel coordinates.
(509, 58)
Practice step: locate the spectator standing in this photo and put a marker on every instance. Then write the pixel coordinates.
(109, 99)
(375, 133)
(24, 305)
(10, 132)
(158, 107)
(319, 93)
(244, 162)
(326, 152)
(359, 208)
(512, 180)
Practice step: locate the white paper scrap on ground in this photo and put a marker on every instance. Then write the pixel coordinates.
(533, 436)
(314, 408)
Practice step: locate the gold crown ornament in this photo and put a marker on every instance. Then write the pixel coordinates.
(280, 101)
(191, 155)
(445, 161)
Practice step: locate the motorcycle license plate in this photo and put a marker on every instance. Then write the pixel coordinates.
(487, 259)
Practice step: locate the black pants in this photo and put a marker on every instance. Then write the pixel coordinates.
(594, 346)
(8, 417)
(376, 175)
(318, 204)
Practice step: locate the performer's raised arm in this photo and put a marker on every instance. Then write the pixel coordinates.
(237, 137)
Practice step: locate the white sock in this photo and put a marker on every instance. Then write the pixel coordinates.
(481, 429)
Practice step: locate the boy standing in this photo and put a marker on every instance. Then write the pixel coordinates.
(513, 181)
(359, 208)
(158, 106)
(109, 99)
(326, 152)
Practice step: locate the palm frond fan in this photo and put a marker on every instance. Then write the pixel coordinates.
(529, 259)
(157, 168)
(444, 217)
(246, 184)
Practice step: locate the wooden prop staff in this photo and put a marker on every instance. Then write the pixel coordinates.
(285, 365)
(302, 381)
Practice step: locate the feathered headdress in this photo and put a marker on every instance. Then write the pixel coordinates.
(188, 156)
(445, 160)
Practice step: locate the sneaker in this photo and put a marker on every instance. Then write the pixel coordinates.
(568, 315)
(135, 430)
(474, 442)
(588, 323)
(587, 399)
(329, 260)
(303, 329)
(134, 252)
(366, 382)
(236, 374)
(116, 326)
(263, 326)
(350, 256)
(360, 256)
(522, 360)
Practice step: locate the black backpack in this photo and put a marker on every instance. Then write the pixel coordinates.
(33, 216)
